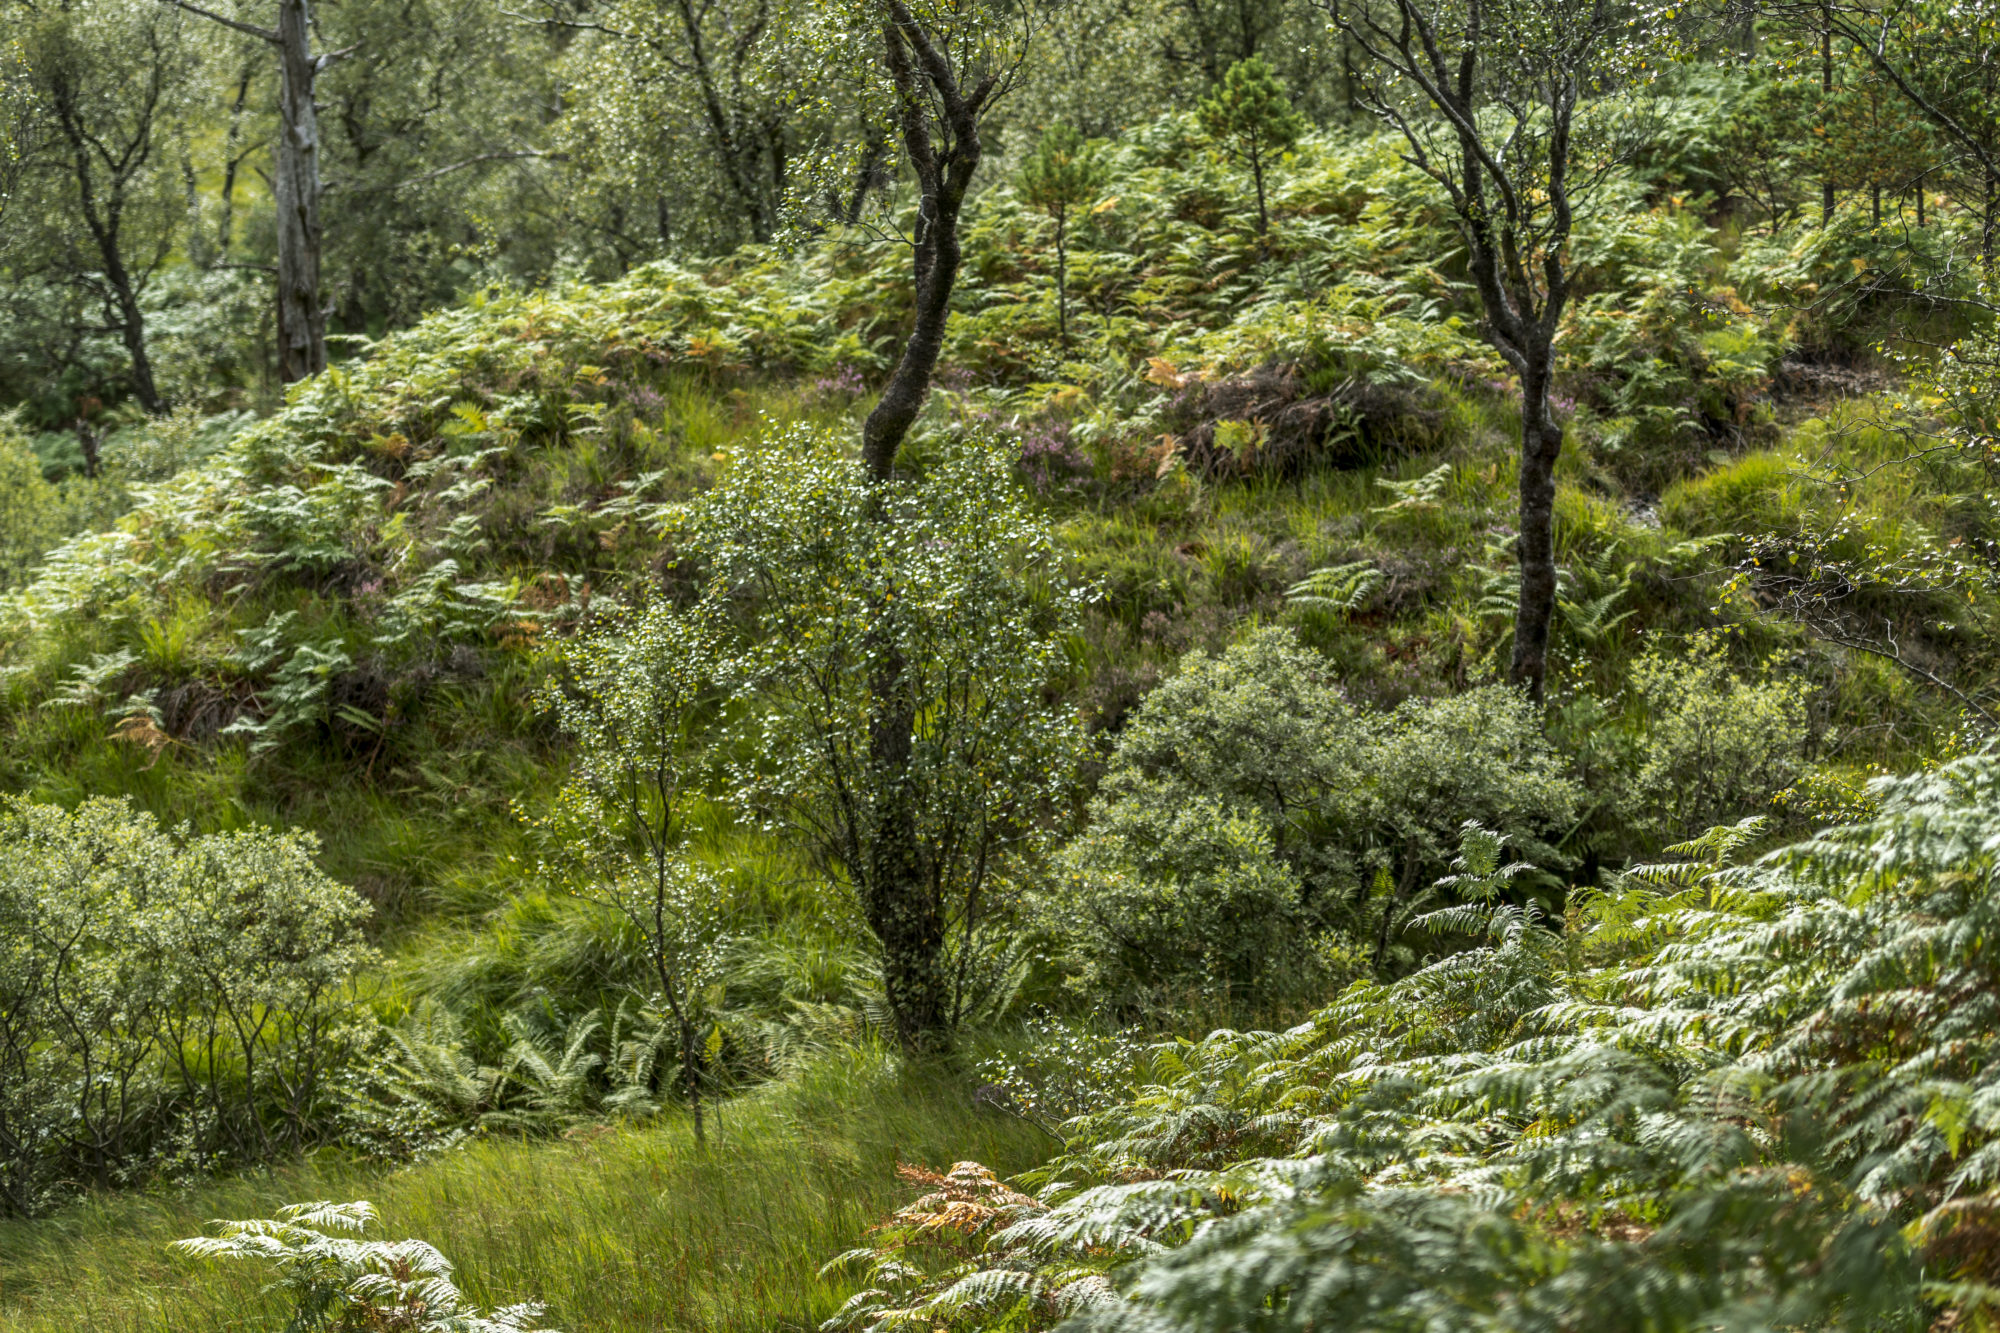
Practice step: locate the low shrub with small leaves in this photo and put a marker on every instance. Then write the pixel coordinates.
(167, 1002)
(1251, 811)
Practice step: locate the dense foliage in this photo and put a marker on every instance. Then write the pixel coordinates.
(1729, 1090)
(860, 575)
(164, 999)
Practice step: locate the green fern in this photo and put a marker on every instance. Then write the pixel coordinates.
(340, 1283)
(1336, 590)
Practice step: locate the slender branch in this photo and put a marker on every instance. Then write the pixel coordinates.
(262, 34)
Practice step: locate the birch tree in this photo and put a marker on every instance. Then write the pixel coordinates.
(295, 188)
(1511, 107)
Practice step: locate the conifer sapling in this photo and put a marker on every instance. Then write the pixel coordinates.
(1249, 115)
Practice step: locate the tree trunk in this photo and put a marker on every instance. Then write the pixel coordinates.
(937, 260)
(901, 903)
(901, 900)
(691, 1079)
(1826, 200)
(104, 220)
(1062, 277)
(1541, 444)
(231, 159)
(301, 323)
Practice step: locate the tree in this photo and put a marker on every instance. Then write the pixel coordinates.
(1064, 174)
(107, 82)
(1944, 60)
(1250, 116)
(296, 191)
(815, 573)
(711, 80)
(947, 66)
(620, 823)
(1504, 103)
(434, 152)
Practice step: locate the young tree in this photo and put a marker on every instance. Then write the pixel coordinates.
(704, 89)
(1943, 58)
(296, 190)
(1249, 115)
(948, 64)
(619, 827)
(1493, 99)
(1063, 175)
(107, 83)
(820, 572)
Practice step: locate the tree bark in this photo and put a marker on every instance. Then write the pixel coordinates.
(901, 898)
(1541, 445)
(901, 902)
(1826, 200)
(943, 179)
(301, 322)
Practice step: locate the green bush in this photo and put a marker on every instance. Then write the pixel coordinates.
(1716, 747)
(1362, 808)
(1165, 900)
(166, 1001)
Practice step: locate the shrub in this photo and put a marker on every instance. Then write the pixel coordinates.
(1716, 747)
(1362, 807)
(890, 655)
(1163, 900)
(1262, 729)
(165, 1000)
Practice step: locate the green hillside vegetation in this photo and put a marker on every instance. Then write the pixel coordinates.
(453, 780)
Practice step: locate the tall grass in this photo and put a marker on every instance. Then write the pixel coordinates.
(613, 1229)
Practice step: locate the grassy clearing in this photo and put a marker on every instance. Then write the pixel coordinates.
(614, 1230)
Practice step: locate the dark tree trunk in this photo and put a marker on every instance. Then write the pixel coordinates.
(1541, 445)
(301, 321)
(1826, 200)
(737, 144)
(232, 158)
(902, 904)
(943, 179)
(873, 147)
(901, 898)
(132, 329)
(104, 218)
